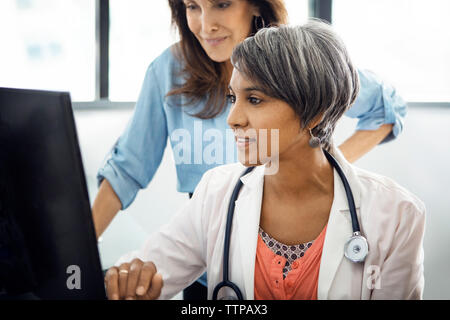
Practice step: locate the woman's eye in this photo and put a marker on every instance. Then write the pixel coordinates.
(231, 98)
(223, 5)
(191, 6)
(254, 100)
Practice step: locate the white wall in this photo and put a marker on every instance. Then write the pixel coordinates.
(418, 160)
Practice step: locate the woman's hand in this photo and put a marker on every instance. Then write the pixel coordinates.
(136, 281)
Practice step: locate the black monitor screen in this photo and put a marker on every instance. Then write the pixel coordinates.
(48, 248)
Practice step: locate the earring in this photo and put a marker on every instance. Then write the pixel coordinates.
(259, 23)
(314, 142)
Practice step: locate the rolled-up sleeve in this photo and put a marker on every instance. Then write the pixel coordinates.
(137, 154)
(377, 104)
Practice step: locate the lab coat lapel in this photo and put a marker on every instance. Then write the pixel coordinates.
(247, 215)
(339, 228)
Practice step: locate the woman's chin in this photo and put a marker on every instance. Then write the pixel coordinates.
(248, 163)
(218, 57)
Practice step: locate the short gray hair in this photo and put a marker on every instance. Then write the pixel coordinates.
(307, 67)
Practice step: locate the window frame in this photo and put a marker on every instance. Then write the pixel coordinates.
(321, 9)
(102, 23)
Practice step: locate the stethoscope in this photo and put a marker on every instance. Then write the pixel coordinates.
(355, 249)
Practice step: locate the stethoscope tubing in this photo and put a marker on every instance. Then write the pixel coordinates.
(226, 250)
(348, 192)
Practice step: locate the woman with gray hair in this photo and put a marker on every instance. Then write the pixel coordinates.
(289, 235)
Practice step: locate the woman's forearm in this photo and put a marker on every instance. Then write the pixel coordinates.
(105, 207)
(361, 142)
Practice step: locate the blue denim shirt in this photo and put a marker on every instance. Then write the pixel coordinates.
(134, 159)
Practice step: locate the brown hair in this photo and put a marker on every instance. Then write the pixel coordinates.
(205, 77)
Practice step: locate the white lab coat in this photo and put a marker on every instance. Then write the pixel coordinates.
(391, 218)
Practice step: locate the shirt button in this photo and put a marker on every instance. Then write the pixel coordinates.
(295, 265)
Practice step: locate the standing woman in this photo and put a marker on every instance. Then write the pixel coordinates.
(186, 87)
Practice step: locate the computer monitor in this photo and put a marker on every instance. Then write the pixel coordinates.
(48, 247)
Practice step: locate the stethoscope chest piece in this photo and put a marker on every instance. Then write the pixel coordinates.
(356, 248)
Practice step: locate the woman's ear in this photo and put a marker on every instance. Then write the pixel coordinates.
(316, 121)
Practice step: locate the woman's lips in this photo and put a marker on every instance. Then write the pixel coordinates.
(215, 41)
(244, 142)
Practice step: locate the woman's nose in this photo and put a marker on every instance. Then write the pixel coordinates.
(237, 118)
(209, 22)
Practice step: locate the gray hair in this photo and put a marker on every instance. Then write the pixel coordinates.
(307, 67)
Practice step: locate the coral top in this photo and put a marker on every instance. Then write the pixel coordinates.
(300, 283)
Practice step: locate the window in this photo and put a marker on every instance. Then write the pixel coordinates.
(297, 11)
(406, 42)
(140, 30)
(48, 44)
(51, 44)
